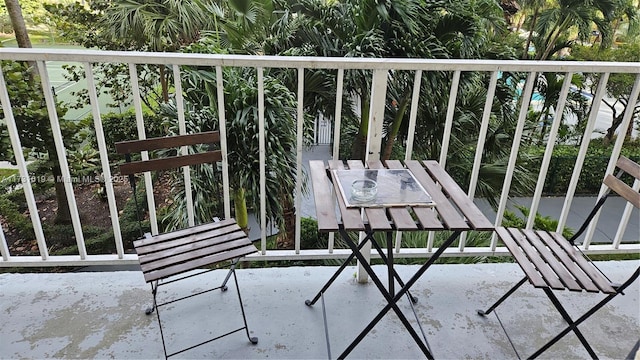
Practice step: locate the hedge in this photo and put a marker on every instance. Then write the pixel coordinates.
(563, 161)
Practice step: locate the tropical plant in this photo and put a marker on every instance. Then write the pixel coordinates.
(548, 86)
(540, 222)
(619, 85)
(555, 22)
(32, 120)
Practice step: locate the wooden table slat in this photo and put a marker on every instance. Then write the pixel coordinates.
(477, 219)
(582, 278)
(402, 219)
(351, 218)
(427, 216)
(323, 198)
(558, 267)
(377, 217)
(448, 213)
(598, 279)
(515, 250)
(534, 257)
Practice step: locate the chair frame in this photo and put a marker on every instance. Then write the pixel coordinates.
(215, 243)
(611, 289)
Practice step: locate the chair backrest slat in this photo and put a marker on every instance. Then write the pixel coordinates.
(169, 142)
(629, 167)
(623, 190)
(133, 146)
(173, 162)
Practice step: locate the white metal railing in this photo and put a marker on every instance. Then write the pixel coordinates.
(380, 69)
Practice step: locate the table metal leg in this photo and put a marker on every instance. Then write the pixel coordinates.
(395, 274)
(392, 302)
(334, 276)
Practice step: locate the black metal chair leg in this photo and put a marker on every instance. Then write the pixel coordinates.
(253, 340)
(155, 306)
(503, 298)
(569, 321)
(154, 289)
(232, 268)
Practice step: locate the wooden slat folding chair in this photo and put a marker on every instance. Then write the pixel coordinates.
(552, 262)
(164, 257)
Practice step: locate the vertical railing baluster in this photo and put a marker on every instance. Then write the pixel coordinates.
(4, 249)
(222, 124)
(62, 158)
(624, 219)
(299, 144)
(515, 146)
(336, 139)
(182, 128)
(374, 143)
(413, 113)
(548, 152)
(582, 153)
(16, 146)
(482, 137)
(448, 123)
(104, 158)
(262, 159)
(142, 134)
(615, 153)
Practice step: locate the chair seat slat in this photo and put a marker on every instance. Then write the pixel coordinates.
(194, 255)
(194, 243)
(598, 279)
(180, 268)
(521, 258)
(585, 282)
(548, 275)
(559, 267)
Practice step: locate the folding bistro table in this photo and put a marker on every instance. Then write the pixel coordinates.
(411, 196)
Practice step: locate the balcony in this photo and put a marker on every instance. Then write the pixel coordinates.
(101, 315)
(70, 315)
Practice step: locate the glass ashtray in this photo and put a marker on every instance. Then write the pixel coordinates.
(364, 190)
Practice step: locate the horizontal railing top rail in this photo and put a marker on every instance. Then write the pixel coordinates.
(194, 59)
(380, 70)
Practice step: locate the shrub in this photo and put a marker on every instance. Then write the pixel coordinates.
(564, 158)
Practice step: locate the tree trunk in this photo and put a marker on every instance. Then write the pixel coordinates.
(525, 55)
(395, 128)
(287, 238)
(17, 22)
(359, 146)
(63, 214)
(240, 206)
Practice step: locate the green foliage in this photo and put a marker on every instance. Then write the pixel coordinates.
(122, 127)
(310, 238)
(13, 215)
(545, 223)
(563, 161)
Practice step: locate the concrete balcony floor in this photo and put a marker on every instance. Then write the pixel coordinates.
(101, 315)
